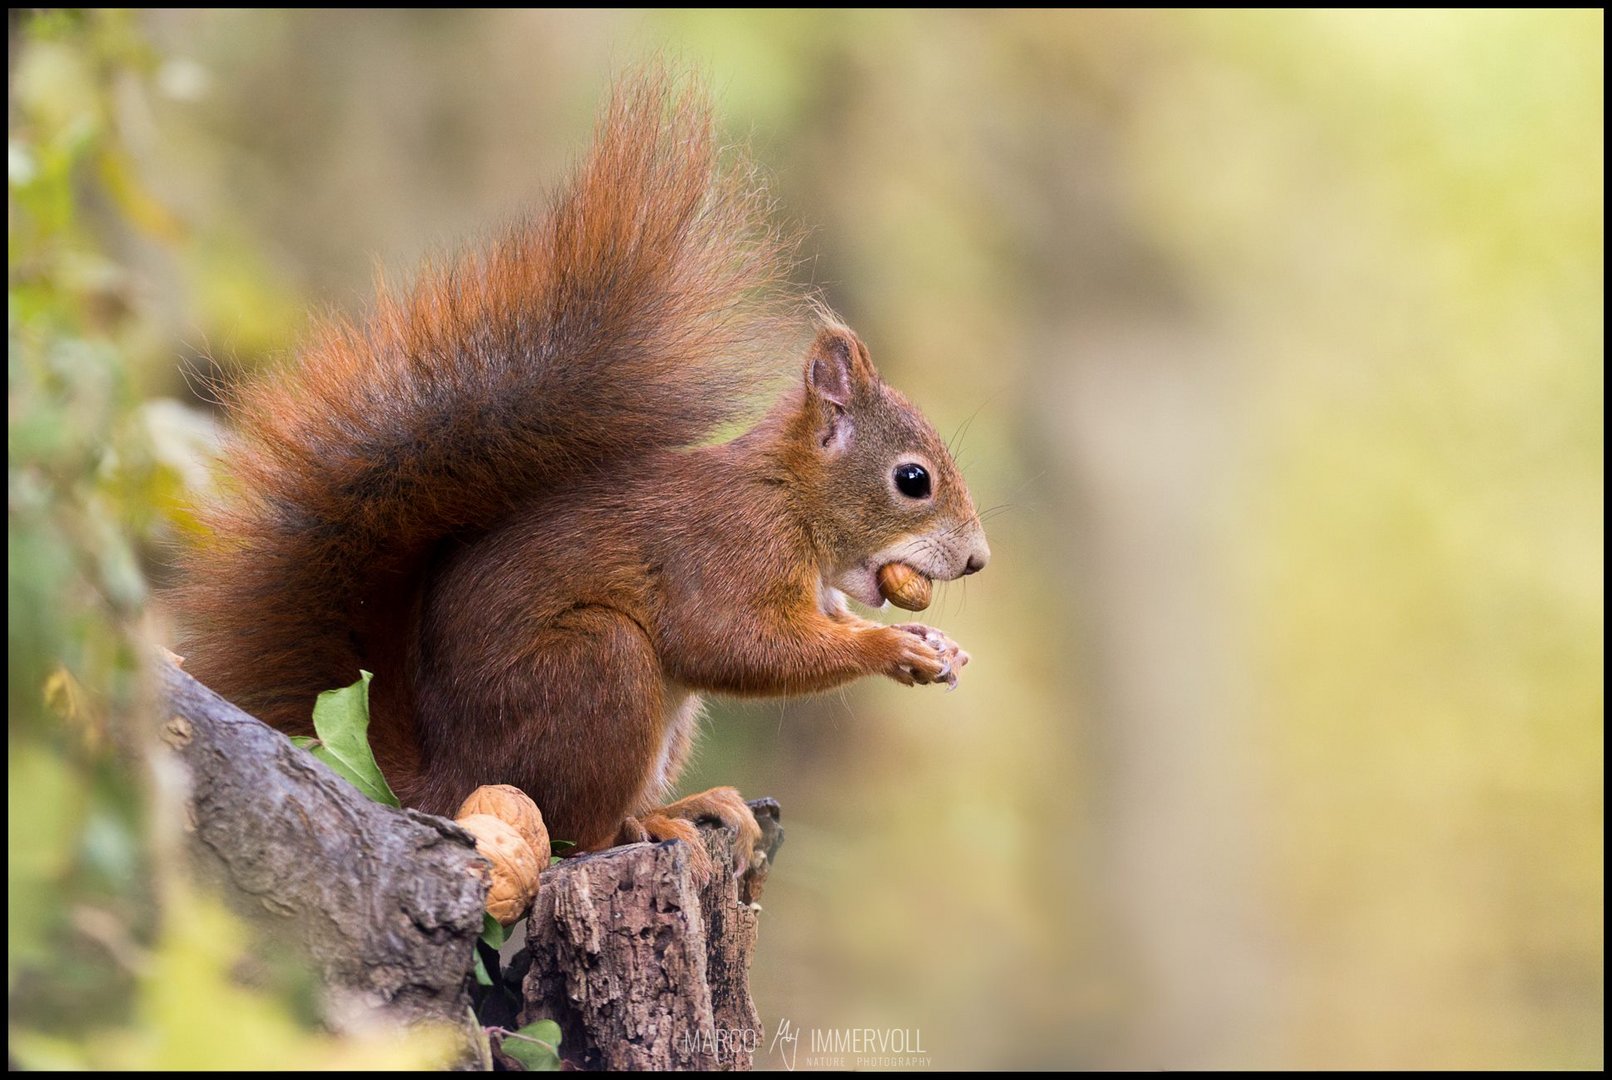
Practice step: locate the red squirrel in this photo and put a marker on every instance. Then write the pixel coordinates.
(500, 495)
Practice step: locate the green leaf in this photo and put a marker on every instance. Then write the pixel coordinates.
(481, 969)
(536, 1046)
(303, 742)
(493, 936)
(557, 846)
(493, 932)
(341, 717)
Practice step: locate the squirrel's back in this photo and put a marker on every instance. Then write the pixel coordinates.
(637, 313)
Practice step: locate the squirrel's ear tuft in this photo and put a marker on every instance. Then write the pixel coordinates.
(838, 365)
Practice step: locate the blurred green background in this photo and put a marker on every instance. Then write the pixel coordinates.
(1279, 338)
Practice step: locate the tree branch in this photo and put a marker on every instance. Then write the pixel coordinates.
(640, 966)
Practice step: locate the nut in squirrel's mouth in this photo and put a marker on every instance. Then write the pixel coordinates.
(875, 584)
(904, 587)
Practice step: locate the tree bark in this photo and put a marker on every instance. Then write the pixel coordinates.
(641, 966)
(388, 903)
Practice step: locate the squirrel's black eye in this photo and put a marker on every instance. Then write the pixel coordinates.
(912, 481)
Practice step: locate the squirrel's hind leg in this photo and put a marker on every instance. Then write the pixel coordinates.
(576, 721)
(677, 821)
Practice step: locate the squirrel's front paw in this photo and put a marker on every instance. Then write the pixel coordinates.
(925, 655)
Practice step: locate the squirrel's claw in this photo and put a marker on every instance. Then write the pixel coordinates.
(940, 655)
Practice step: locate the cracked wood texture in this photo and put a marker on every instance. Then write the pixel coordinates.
(388, 903)
(642, 967)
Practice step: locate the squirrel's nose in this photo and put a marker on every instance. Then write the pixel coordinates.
(976, 563)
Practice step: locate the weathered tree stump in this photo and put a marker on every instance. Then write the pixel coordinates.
(641, 967)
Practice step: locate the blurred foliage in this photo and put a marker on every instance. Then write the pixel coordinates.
(1274, 340)
(189, 1009)
(113, 958)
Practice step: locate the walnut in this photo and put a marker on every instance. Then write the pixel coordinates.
(514, 807)
(516, 868)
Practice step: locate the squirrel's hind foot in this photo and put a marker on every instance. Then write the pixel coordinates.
(677, 821)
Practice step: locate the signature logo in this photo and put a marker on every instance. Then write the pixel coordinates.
(789, 1039)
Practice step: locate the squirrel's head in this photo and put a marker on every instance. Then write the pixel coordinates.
(887, 489)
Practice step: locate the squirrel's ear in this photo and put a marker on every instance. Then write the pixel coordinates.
(838, 365)
(836, 368)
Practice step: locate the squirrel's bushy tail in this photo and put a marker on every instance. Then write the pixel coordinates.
(637, 312)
